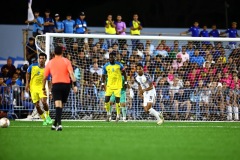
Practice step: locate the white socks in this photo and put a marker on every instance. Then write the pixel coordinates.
(229, 113)
(231, 110)
(235, 111)
(154, 113)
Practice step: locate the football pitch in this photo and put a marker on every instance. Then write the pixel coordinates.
(121, 141)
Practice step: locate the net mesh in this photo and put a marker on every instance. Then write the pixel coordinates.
(194, 80)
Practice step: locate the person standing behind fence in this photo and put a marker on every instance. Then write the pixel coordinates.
(135, 29)
(37, 24)
(120, 30)
(81, 27)
(110, 29)
(34, 80)
(62, 74)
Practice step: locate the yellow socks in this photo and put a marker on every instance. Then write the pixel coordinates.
(47, 113)
(118, 109)
(43, 116)
(107, 106)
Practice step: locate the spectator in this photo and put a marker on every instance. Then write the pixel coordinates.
(195, 32)
(58, 25)
(178, 63)
(182, 98)
(48, 25)
(184, 55)
(214, 33)
(222, 57)
(232, 33)
(110, 28)
(160, 51)
(204, 102)
(81, 28)
(24, 71)
(197, 58)
(69, 24)
(174, 51)
(204, 33)
(31, 51)
(162, 98)
(81, 24)
(96, 69)
(194, 29)
(14, 80)
(120, 30)
(37, 24)
(135, 30)
(151, 46)
(8, 69)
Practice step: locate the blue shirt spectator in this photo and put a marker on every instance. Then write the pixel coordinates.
(214, 32)
(81, 24)
(58, 25)
(69, 24)
(204, 33)
(197, 58)
(194, 30)
(232, 32)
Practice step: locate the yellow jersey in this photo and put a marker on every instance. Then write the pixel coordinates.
(110, 29)
(37, 76)
(114, 75)
(135, 24)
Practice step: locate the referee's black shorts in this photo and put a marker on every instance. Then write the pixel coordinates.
(60, 91)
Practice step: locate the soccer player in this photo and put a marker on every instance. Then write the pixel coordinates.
(114, 71)
(34, 82)
(122, 101)
(148, 92)
(61, 71)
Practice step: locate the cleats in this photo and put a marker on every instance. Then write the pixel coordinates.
(124, 119)
(45, 122)
(49, 120)
(109, 118)
(53, 128)
(117, 119)
(59, 128)
(161, 118)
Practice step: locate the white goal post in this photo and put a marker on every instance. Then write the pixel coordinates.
(208, 64)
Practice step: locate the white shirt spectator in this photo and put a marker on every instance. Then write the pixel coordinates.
(96, 69)
(185, 56)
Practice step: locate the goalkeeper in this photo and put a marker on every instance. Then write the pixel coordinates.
(112, 72)
(122, 101)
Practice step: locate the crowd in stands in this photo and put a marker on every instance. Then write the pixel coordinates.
(187, 76)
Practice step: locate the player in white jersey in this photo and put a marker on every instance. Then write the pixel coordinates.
(147, 90)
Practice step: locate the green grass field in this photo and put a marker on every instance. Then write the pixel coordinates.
(121, 141)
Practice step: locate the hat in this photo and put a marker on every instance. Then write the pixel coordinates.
(82, 14)
(56, 15)
(25, 62)
(179, 56)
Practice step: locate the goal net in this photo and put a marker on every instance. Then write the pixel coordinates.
(195, 78)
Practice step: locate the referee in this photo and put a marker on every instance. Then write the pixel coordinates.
(61, 71)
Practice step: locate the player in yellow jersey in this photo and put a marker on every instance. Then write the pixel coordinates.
(34, 83)
(113, 71)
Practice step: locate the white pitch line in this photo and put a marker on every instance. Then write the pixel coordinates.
(162, 126)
